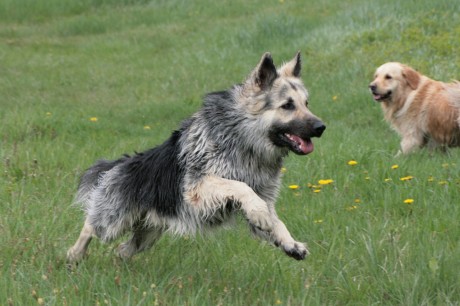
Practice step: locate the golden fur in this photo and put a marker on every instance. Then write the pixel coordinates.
(423, 111)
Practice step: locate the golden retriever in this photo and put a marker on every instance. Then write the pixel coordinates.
(423, 111)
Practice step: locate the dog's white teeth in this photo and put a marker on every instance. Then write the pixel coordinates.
(299, 143)
(293, 139)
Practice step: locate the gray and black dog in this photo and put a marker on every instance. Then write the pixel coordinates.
(225, 158)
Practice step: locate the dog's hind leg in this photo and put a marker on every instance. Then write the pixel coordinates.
(78, 250)
(143, 238)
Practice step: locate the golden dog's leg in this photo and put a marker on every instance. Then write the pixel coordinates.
(410, 143)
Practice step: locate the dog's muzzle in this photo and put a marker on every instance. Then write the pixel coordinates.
(301, 144)
(378, 96)
(297, 135)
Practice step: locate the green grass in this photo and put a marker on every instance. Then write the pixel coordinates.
(133, 64)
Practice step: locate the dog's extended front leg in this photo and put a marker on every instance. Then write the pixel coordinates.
(281, 237)
(215, 192)
(410, 143)
(261, 215)
(295, 249)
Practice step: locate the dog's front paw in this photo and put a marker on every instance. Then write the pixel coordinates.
(296, 250)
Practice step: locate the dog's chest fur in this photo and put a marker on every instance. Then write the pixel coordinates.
(226, 147)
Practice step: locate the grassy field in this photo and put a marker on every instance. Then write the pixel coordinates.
(81, 80)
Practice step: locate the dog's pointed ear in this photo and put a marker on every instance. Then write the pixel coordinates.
(265, 73)
(412, 77)
(292, 68)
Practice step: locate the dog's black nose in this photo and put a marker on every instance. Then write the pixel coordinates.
(319, 128)
(372, 87)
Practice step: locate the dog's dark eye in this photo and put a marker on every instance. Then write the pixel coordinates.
(289, 105)
(388, 77)
(306, 103)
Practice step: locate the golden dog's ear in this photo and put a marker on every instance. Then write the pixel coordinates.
(412, 77)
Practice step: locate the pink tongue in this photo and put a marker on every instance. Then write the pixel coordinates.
(376, 97)
(304, 146)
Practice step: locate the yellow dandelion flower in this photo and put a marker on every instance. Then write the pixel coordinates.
(408, 201)
(293, 187)
(357, 200)
(334, 98)
(350, 208)
(48, 114)
(430, 179)
(352, 162)
(387, 179)
(309, 185)
(394, 167)
(367, 178)
(93, 119)
(278, 302)
(406, 178)
(443, 182)
(318, 221)
(283, 170)
(325, 182)
(317, 190)
(147, 127)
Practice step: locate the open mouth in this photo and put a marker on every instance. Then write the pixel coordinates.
(383, 97)
(297, 144)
